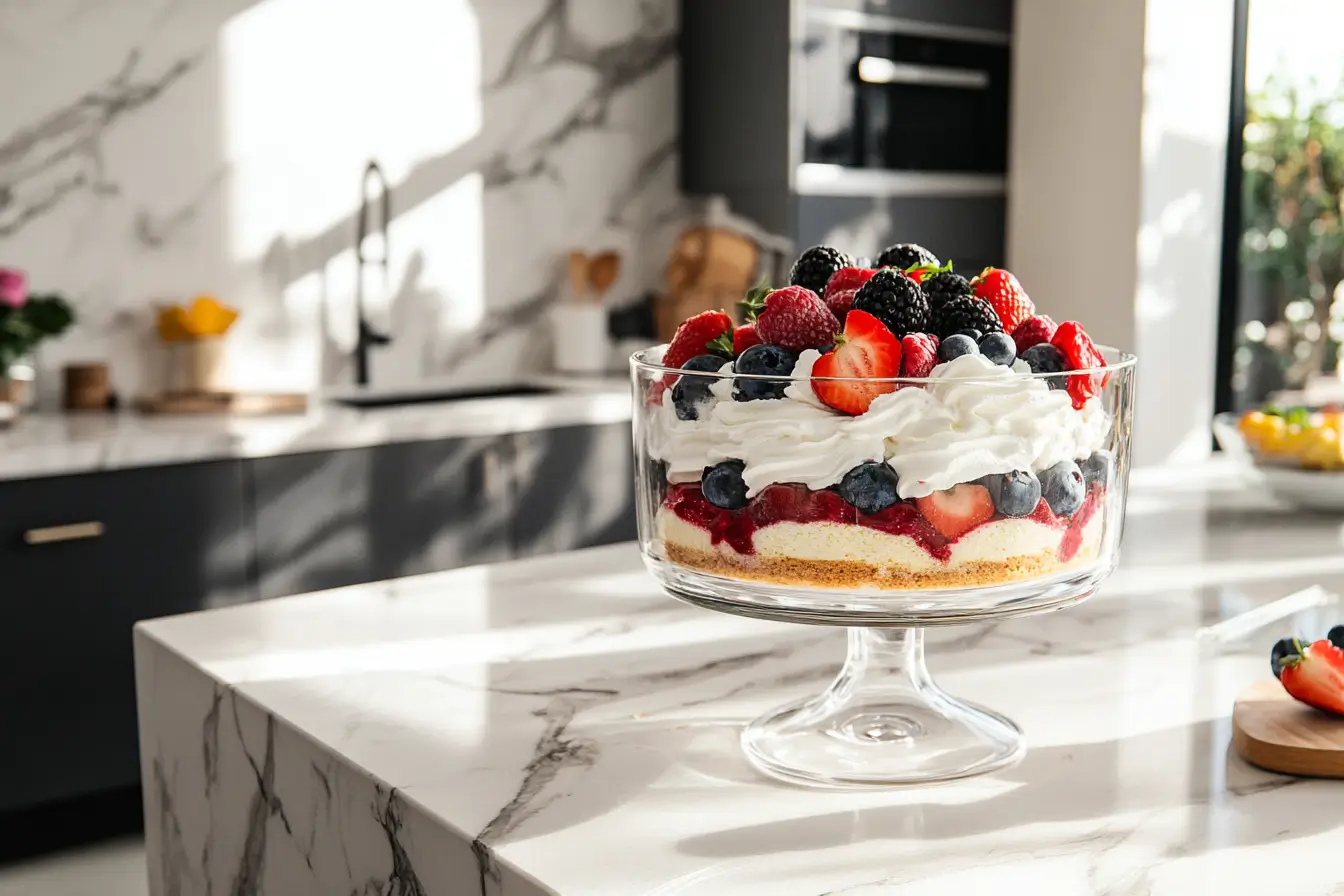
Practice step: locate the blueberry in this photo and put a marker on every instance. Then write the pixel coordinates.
(1282, 649)
(690, 391)
(763, 360)
(999, 348)
(723, 487)
(955, 346)
(1045, 358)
(1336, 636)
(1015, 494)
(1097, 468)
(972, 332)
(1062, 487)
(870, 487)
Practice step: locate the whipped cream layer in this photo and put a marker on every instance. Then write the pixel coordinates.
(973, 419)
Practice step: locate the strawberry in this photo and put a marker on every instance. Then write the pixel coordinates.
(921, 272)
(957, 510)
(919, 354)
(865, 349)
(1033, 331)
(694, 337)
(1315, 675)
(1002, 291)
(744, 337)
(1077, 348)
(736, 341)
(793, 318)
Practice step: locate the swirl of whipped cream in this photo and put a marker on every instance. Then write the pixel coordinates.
(981, 418)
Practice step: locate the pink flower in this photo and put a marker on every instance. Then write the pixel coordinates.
(13, 288)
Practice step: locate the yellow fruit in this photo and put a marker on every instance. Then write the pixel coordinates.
(1322, 449)
(207, 317)
(1267, 434)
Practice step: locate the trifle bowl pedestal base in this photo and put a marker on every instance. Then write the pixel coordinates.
(883, 722)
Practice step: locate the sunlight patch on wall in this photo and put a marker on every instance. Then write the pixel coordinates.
(311, 91)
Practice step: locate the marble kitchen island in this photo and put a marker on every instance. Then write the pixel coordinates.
(558, 726)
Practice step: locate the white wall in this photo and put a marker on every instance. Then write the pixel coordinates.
(152, 150)
(1116, 190)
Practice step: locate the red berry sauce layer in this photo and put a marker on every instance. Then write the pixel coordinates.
(794, 503)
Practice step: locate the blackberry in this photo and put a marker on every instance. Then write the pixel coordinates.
(905, 256)
(945, 285)
(962, 313)
(896, 300)
(815, 266)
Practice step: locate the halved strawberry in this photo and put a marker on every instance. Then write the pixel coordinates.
(865, 349)
(957, 510)
(1315, 675)
(693, 338)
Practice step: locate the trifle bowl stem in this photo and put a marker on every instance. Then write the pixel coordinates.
(882, 722)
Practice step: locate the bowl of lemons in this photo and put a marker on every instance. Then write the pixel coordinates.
(1297, 451)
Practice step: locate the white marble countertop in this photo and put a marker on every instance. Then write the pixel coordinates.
(48, 444)
(558, 726)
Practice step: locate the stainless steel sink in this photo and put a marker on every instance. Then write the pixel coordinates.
(392, 399)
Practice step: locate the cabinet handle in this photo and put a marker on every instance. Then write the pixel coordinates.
(71, 532)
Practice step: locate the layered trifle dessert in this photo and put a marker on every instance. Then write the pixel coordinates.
(885, 426)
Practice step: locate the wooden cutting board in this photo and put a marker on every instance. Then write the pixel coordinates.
(1272, 730)
(224, 403)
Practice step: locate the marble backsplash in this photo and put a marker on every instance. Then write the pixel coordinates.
(157, 149)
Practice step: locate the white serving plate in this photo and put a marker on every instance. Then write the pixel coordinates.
(1310, 489)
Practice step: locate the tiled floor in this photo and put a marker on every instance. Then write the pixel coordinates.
(114, 868)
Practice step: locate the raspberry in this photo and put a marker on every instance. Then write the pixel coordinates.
(847, 279)
(795, 318)
(1077, 348)
(919, 354)
(1033, 331)
(1005, 295)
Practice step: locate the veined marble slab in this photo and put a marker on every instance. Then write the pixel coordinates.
(53, 444)
(558, 726)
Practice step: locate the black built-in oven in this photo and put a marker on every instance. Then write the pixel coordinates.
(898, 101)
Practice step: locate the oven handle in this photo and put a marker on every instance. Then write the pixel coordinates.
(878, 70)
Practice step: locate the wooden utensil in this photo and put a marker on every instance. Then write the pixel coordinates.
(578, 275)
(1272, 730)
(603, 270)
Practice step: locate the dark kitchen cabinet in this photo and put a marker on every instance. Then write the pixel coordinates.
(118, 547)
(335, 518)
(83, 558)
(968, 230)
(573, 487)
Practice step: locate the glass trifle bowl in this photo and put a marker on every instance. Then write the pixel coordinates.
(977, 492)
